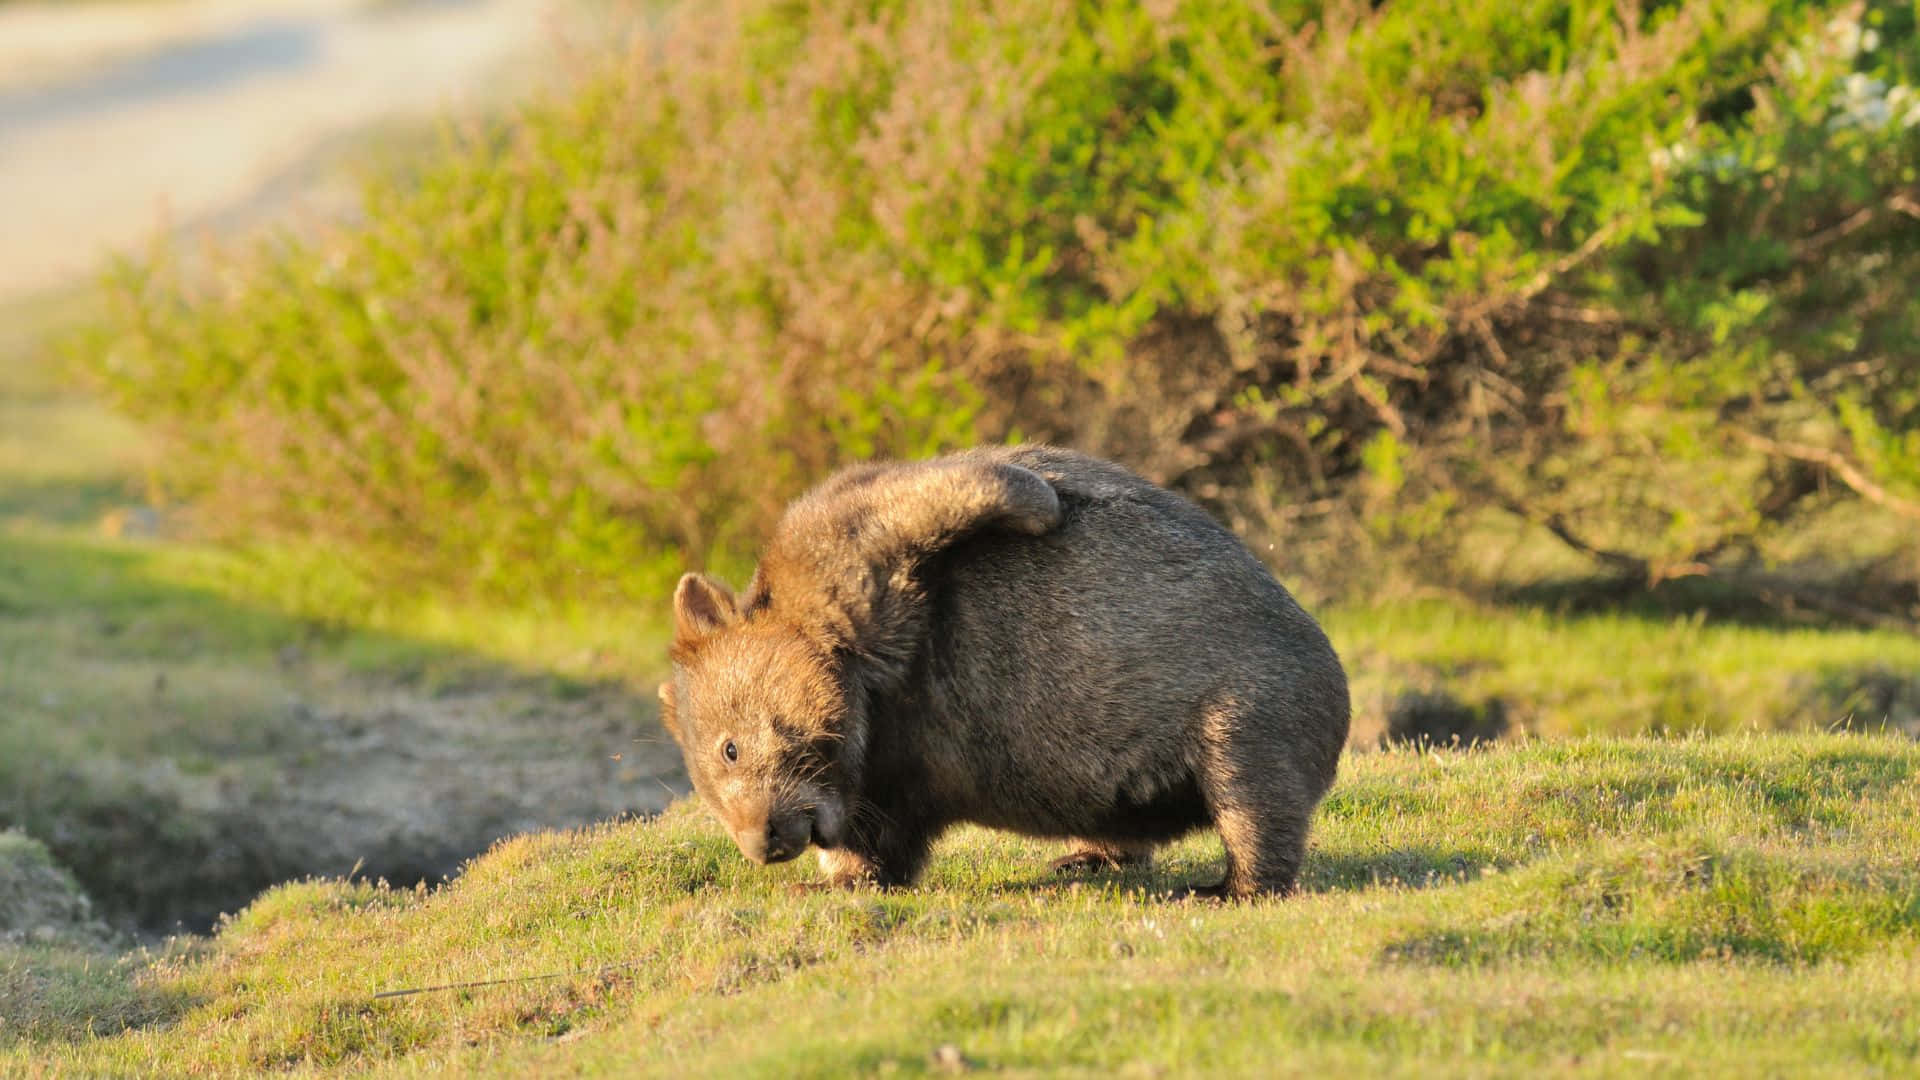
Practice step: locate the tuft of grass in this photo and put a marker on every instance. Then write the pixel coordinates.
(39, 900)
(58, 992)
(1729, 905)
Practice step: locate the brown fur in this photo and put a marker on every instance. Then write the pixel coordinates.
(1026, 638)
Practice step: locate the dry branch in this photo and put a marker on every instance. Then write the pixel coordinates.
(1838, 467)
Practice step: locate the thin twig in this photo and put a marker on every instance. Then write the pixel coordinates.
(1547, 274)
(1839, 230)
(502, 982)
(1899, 202)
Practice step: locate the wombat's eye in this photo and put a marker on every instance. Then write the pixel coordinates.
(731, 751)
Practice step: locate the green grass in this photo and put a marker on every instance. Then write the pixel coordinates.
(1736, 905)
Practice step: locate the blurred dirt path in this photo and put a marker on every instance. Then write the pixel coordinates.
(118, 119)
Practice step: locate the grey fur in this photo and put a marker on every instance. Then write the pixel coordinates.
(1087, 657)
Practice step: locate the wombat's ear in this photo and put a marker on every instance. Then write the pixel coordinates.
(701, 605)
(669, 716)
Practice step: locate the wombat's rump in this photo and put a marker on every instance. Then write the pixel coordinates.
(1027, 638)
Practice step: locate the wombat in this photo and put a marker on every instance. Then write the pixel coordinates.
(1025, 638)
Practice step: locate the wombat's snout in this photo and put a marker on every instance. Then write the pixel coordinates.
(781, 838)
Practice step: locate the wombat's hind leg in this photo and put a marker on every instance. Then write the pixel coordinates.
(1260, 805)
(1094, 855)
(1264, 852)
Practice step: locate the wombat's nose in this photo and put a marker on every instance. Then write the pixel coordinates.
(753, 844)
(778, 845)
(766, 845)
(786, 837)
(779, 839)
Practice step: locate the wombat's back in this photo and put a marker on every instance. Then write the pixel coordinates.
(1072, 677)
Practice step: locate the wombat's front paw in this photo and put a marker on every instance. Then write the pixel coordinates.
(844, 869)
(1228, 891)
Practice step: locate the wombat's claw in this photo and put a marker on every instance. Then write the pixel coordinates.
(1203, 893)
(1086, 862)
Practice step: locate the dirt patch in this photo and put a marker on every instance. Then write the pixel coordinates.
(147, 736)
(392, 782)
(413, 785)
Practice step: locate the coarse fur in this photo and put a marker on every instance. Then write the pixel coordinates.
(1026, 638)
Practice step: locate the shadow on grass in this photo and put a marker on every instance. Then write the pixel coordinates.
(1403, 868)
(63, 503)
(1678, 598)
(1870, 698)
(1413, 867)
(1718, 601)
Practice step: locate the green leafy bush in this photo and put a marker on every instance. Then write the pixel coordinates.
(1354, 272)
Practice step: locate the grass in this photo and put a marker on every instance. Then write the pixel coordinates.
(1736, 905)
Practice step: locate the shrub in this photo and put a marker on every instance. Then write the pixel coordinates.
(1633, 273)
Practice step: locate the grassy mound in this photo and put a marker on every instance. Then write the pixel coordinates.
(1738, 904)
(39, 901)
(59, 978)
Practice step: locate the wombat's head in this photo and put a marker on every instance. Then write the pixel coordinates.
(758, 710)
